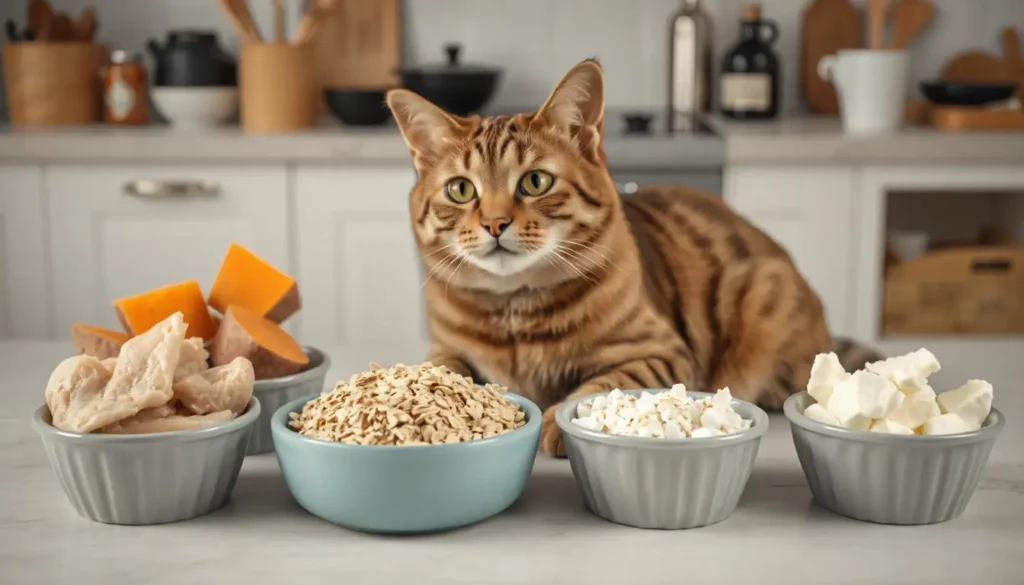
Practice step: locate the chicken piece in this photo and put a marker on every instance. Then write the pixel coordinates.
(110, 364)
(84, 396)
(192, 359)
(227, 387)
(74, 386)
(143, 423)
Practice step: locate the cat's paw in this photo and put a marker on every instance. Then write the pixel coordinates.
(551, 441)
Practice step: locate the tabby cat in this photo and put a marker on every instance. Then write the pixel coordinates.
(543, 279)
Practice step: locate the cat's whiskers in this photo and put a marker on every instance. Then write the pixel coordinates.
(439, 250)
(439, 268)
(558, 254)
(593, 249)
(446, 282)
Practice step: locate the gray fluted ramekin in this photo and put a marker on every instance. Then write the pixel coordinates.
(152, 478)
(890, 479)
(277, 392)
(661, 483)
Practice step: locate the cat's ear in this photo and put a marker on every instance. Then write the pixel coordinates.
(576, 107)
(426, 128)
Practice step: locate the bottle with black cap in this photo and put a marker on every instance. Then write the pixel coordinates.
(749, 86)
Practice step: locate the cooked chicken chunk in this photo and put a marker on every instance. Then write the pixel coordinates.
(192, 358)
(162, 422)
(226, 387)
(84, 396)
(75, 388)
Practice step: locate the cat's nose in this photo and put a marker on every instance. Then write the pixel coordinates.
(496, 225)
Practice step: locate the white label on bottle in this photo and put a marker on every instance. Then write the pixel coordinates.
(120, 99)
(746, 91)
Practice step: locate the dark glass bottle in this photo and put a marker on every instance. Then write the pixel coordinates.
(749, 86)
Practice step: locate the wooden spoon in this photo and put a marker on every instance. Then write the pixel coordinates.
(242, 8)
(877, 12)
(61, 28)
(39, 16)
(85, 26)
(909, 18)
(278, 21)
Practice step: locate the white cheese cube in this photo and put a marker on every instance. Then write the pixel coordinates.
(704, 432)
(817, 412)
(890, 426)
(916, 409)
(826, 372)
(589, 423)
(844, 404)
(972, 402)
(947, 424)
(876, 397)
(909, 372)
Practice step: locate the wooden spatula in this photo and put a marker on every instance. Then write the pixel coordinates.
(878, 10)
(85, 25)
(909, 18)
(39, 16)
(61, 28)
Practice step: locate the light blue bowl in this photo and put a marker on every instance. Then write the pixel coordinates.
(406, 489)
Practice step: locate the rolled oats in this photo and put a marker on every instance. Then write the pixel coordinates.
(408, 405)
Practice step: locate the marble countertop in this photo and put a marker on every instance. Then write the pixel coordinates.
(820, 140)
(326, 143)
(777, 535)
(791, 140)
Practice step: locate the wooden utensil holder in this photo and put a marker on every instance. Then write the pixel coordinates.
(52, 84)
(278, 89)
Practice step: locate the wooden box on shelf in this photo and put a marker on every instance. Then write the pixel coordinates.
(971, 290)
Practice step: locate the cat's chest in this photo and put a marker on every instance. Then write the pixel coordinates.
(544, 375)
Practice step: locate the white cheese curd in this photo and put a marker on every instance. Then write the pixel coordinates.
(669, 414)
(893, 396)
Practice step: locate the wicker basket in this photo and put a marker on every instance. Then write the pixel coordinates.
(976, 290)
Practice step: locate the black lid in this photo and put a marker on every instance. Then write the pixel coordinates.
(453, 65)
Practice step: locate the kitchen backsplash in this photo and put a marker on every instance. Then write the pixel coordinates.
(535, 41)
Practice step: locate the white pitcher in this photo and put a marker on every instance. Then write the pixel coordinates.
(872, 89)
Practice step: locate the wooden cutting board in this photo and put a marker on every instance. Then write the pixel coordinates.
(827, 26)
(359, 45)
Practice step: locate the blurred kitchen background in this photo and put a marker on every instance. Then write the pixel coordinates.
(910, 233)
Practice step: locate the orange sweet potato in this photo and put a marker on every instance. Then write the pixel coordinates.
(246, 280)
(141, 312)
(271, 350)
(96, 341)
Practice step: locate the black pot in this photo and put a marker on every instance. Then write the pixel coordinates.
(458, 89)
(358, 107)
(192, 58)
(967, 94)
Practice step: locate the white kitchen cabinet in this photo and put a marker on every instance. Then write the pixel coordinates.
(24, 307)
(807, 211)
(108, 242)
(877, 184)
(358, 264)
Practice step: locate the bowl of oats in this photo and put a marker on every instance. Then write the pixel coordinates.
(667, 459)
(407, 449)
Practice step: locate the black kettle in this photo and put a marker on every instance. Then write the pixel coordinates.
(192, 58)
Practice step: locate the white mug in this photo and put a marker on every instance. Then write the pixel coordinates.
(872, 89)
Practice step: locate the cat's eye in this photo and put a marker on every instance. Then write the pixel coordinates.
(460, 190)
(536, 183)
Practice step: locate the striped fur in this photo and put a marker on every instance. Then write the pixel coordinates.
(596, 291)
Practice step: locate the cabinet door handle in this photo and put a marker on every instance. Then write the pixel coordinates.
(163, 189)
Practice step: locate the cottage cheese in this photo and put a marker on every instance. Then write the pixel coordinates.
(669, 414)
(893, 396)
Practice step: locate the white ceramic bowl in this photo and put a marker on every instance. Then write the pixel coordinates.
(661, 483)
(890, 479)
(196, 107)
